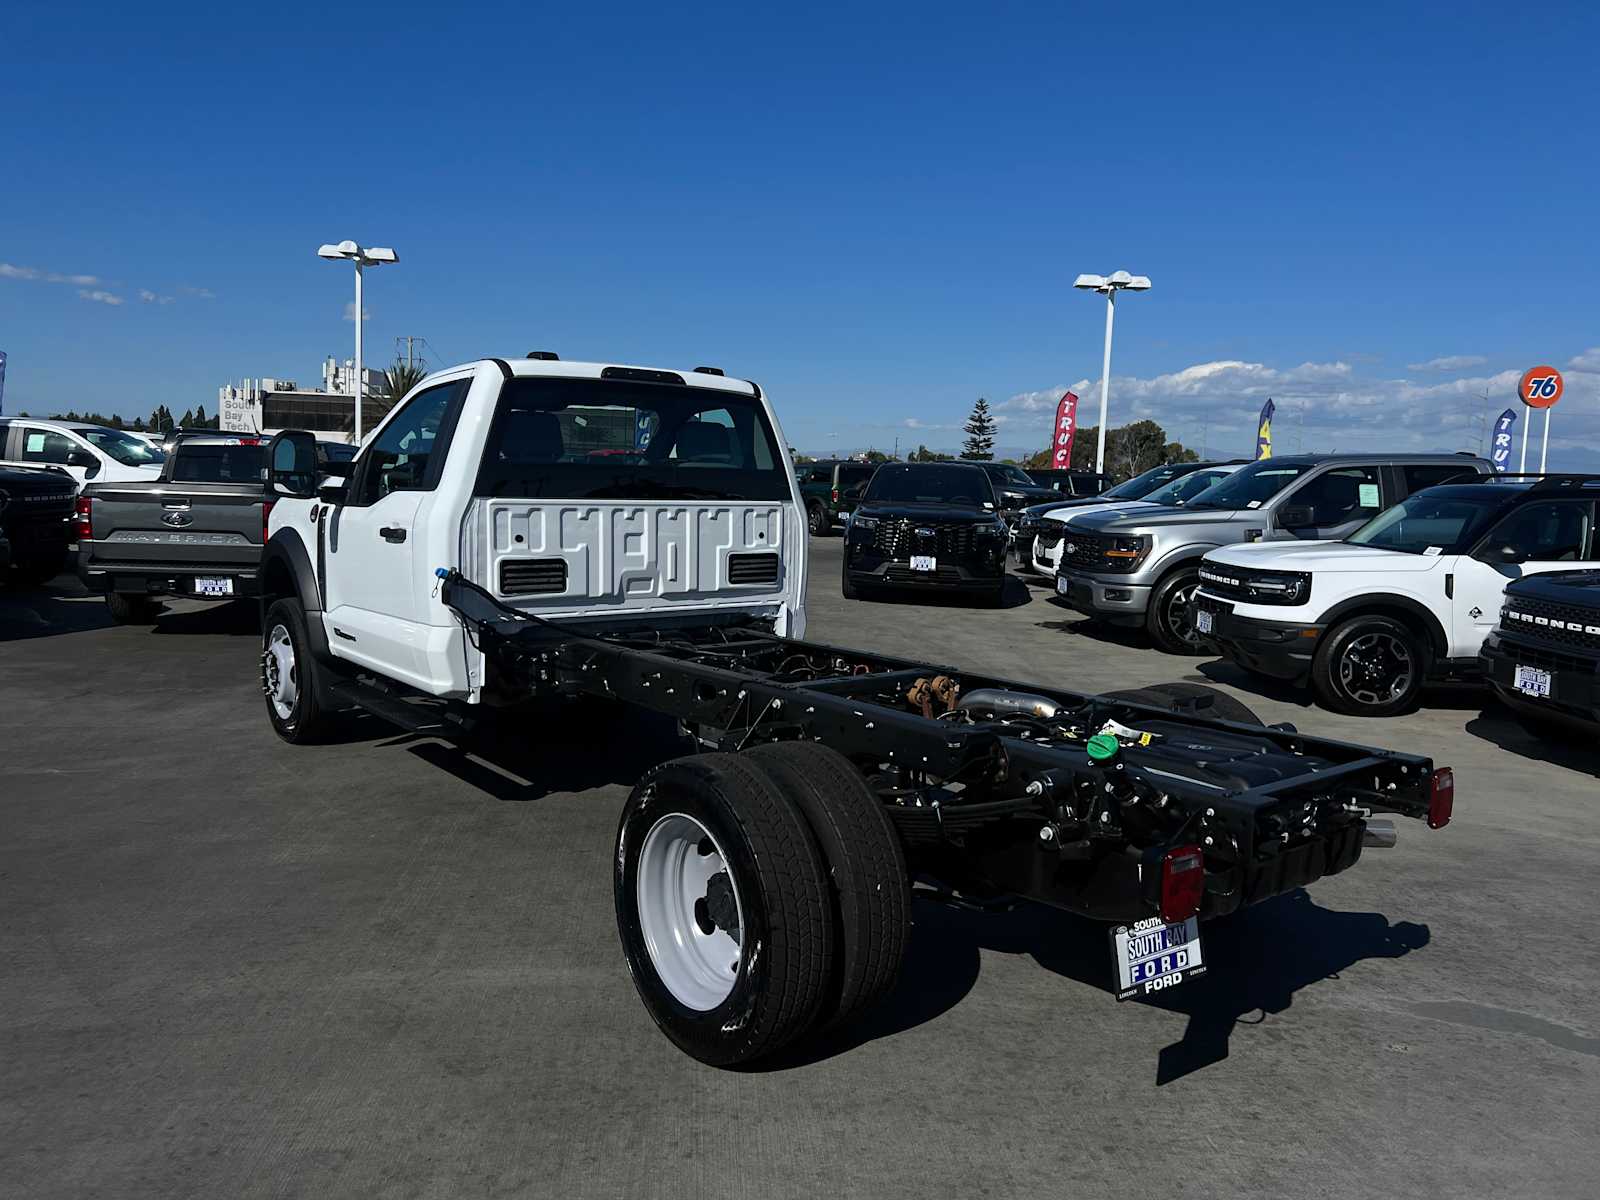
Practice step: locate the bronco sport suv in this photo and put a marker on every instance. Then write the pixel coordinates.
(1144, 568)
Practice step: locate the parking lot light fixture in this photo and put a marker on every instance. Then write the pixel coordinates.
(373, 256)
(1109, 286)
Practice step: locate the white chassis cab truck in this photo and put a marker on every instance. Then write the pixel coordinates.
(515, 533)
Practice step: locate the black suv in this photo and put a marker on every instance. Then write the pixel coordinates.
(1543, 659)
(1066, 482)
(927, 525)
(37, 511)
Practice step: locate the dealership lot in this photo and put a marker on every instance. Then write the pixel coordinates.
(390, 967)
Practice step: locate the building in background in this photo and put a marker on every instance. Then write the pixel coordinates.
(269, 405)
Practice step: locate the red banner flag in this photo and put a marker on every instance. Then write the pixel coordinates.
(1066, 426)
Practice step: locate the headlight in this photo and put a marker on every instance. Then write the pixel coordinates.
(997, 529)
(859, 522)
(1278, 587)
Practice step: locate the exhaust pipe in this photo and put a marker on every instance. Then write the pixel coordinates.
(1380, 835)
(1005, 703)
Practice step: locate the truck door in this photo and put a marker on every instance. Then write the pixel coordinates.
(375, 580)
(1331, 504)
(1549, 535)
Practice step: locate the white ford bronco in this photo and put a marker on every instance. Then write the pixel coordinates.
(1408, 597)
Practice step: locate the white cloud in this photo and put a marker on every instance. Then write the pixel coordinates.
(204, 293)
(149, 297)
(1321, 406)
(8, 271)
(99, 297)
(350, 312)
(11, 271)
(1450, 362)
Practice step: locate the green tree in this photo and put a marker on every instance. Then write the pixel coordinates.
(875, 456)
(923, 454)
(187, 422)
(980, 426)
(201, 420)
(398, 380)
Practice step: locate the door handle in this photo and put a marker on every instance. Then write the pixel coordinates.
(393, 533)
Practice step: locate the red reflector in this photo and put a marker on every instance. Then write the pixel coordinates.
(1183, 883)
(1441, 798)
(266, 513)
(83, 519)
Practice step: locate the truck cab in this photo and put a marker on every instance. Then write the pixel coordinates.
(594, 493)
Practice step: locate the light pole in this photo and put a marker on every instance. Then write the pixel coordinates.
(374, 256)
(1109, 286)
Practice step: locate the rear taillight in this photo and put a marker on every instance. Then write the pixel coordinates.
(83, 519)
(836, 495)
(1441, 798)
(1183, 883)
(266, 518)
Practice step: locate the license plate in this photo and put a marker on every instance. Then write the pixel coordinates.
(213, 587)
(1203, 621)
(1062, 586)
(1533, 682)
(844, 514)
(924, 562)
(1152, 956)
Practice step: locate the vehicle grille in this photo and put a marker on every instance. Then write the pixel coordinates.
(752, 568)
(37, 506)
(1549, 660)
(1225, 581)
(1050, 533)
(533, 576)
(1087, 552)
(1548, 621)
(898, 539)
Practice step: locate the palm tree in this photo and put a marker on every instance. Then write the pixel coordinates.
(398, 380)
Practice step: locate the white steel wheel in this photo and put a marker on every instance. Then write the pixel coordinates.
(689, 911)
(280, 678)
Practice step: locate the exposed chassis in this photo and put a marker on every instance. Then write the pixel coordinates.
(990, 801)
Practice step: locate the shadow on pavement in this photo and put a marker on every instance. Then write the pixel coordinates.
(218, 617)
(1463, 697)
(1258, 960)
(1496, 725)
(560, 747)
(61, 606)
(1071, 621)
(1014, 594)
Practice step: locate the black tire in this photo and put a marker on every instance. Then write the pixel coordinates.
(866, 865)
(852, 590)
(775, 875)
(1369, 666)
(306, 721)
(1169, 619)
(126, 609)
(996, 598)
(817, 520)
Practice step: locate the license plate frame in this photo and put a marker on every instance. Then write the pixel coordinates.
(1153, 956)
(1532, 681)
(925, 562)
(1205, 621)
(213, 586)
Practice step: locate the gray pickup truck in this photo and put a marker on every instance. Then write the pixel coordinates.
(195, 532)
(1141, 566)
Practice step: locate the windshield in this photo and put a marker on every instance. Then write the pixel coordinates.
(128, 450)
(1428, 524)
(1006, 473)
(1141, 486)
(612, 439)
(930, 484)
(216, 462)
(1185, 488)
(1252, 486)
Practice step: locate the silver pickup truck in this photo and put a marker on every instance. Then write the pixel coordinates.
(195, 532)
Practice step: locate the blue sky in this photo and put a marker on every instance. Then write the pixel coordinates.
(875, 212)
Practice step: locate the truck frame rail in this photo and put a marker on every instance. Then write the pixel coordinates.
(996, 787)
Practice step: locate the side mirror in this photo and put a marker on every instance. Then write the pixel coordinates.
(82, 458)
(1295, 516)
(291, 465)
(333, 493)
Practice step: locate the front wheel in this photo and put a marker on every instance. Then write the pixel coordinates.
(1170, 617)
(723, 909)
(1370, 666)
(817, 519)
(289, 676)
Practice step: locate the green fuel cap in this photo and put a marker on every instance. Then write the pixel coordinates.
(1103, 747)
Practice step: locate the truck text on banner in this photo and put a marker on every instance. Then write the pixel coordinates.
(1066, 427)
